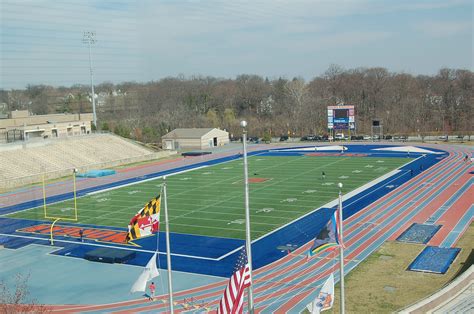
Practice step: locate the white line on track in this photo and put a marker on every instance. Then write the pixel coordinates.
(104, 246)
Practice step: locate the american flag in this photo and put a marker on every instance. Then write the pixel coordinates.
(233, 299)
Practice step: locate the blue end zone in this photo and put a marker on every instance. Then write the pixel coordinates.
(207, 255)
(418, 233)
(434, 259)
(190, 253)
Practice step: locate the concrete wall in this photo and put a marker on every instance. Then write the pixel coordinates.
(180, 143)
(448, 294)
(60, 129)
(43, 119)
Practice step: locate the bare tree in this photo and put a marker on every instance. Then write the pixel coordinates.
(16, 299)
(405, 103)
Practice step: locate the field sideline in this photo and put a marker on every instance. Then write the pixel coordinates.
(209, 200)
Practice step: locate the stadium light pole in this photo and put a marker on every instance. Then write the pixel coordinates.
(89, 39)
(248, 243)
(341, 250)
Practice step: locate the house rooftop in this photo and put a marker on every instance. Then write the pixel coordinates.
(188, 133)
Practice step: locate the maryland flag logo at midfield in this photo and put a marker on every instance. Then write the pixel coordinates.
(146, 221)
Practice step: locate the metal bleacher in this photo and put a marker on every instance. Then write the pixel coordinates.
(64, 154)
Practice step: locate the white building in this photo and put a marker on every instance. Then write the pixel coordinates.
(197, 138)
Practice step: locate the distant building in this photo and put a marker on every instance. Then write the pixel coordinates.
(201, 138)
(3, 110)
(20, 125)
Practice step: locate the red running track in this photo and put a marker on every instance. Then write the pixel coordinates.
(451, 217)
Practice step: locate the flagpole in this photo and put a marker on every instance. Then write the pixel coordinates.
(341, 250)
(168, 252)
(248, 243)
(158, 232)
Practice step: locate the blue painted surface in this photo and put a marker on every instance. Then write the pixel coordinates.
(185, 244)
(418, 233)
(434, 259)
(298, 233)
(264, 251)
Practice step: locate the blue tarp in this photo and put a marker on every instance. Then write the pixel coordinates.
(434, 259)
(418, 233)
(96, 173)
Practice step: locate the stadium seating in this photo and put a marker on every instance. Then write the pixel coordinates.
(57, 156)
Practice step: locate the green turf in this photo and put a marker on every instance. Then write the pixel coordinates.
(210, 201)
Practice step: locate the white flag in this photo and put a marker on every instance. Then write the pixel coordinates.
(325, 299)
(147, 274)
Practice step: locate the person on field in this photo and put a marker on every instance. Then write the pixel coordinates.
(81, 235)
(323, 175)
(152, 288)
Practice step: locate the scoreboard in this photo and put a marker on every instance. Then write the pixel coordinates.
(341, 117)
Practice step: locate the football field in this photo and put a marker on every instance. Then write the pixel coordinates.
(210, 200)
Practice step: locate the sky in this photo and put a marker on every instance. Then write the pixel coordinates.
(41, 41)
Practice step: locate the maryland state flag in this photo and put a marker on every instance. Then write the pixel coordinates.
(146, 221)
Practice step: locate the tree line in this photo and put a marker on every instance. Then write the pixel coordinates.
(404, 103)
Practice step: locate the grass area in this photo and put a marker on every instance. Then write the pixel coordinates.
(210, 200)
(381, 284)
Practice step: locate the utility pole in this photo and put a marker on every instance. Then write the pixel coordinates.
(89, 39)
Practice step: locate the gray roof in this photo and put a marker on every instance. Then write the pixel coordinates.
(188, 133)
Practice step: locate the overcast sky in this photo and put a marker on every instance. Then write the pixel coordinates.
(143, 40)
